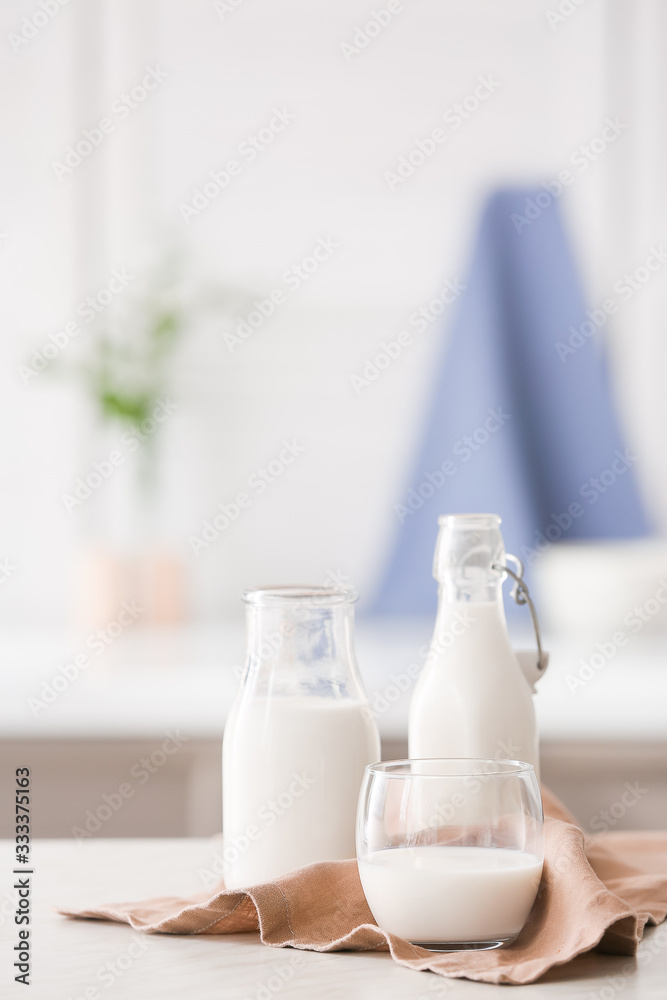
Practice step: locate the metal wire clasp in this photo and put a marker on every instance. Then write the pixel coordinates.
(521, 595)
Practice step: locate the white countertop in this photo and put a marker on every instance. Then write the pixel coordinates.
(148, 682)
(70, 956)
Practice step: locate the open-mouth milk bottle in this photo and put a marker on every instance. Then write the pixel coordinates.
(298, 738)
(474, 695)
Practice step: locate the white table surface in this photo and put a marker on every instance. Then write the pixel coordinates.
(149, 682)
(68, 955)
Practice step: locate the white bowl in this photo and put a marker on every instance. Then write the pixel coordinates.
(601, 587)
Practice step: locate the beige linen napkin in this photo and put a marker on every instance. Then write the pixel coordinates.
(596, 891)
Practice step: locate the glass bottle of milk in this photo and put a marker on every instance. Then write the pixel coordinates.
(298, 738)
(474, 696)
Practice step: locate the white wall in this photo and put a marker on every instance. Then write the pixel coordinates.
(323, 176)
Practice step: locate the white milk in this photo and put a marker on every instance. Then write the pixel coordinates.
(291, 774)
(472, 699)
(450, 894)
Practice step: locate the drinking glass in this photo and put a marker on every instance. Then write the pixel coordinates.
(450, 852)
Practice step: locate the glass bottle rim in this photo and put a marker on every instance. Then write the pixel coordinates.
(451, 767)
(283, 595)
(470, 520)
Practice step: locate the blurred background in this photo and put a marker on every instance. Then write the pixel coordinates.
(235, 244)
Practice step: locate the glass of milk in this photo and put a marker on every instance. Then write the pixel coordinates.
(450, 852)
(298, 738)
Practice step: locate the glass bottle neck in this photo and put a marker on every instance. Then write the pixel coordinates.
(302, 645)
(455, 590)
(468, 549)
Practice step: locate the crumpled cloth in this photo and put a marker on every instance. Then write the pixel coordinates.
(596, 892)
